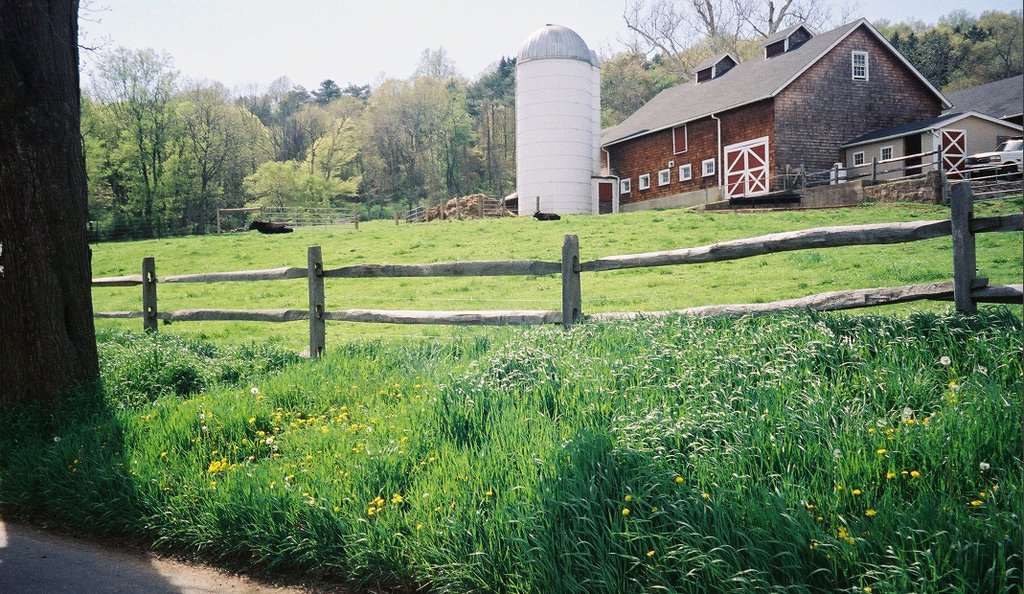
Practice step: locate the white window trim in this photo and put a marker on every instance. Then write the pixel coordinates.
(853, 65)
(644, 181)
(881, 153)
(707, 167)
(689, 172)
(664, 177)
(686, 140)
(855, 156)
(625, 185)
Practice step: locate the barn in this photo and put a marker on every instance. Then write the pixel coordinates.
(734, 130)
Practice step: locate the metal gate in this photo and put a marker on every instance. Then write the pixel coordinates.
(746, 168)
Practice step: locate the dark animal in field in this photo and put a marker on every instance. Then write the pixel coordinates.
(546, 216)
(264, 227)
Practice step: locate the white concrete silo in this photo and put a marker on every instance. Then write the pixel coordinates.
(558, 123)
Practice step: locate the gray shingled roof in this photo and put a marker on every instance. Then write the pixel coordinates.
(746, 83)
(903, 130)
(998, 99)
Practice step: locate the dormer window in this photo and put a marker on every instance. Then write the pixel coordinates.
(714, 67)
(786, 40)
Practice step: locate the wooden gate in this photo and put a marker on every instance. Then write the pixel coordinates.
(953, 144)
(746, 168)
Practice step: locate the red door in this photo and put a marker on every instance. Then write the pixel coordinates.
(953, 144)
(605, 194)
(746, 168)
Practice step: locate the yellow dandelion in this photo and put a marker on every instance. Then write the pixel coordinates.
(867, 589)
(890, 475)
(419, 526)
(881, 451)
(396, 498)
(706, 495)
(870, 513)
(163, 454)
(814, 545)
(625, 511)
(977, 502)
(628, 498)
(650, 553)
(252, 420)
(336, 509)
(213, 484)
(856, 491)
(679, 480)
(915, 474)
(489, 493)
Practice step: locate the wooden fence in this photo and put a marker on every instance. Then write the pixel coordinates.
(965, 289)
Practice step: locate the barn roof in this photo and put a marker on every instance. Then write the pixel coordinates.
(999, 99)
(746, 83)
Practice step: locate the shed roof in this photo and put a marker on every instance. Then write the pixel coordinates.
(923, 126)
(747, 82)
(555, 42)
(999, 99)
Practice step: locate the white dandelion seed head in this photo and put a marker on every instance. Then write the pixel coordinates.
(56, 439)
(254, 390)
(945, 360)
(269, 440)
(984, 466)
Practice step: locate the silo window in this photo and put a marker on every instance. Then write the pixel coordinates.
(625, 185)
(645, 181)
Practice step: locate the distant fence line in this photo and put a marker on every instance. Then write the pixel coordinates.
(296, 216)
(965, 290)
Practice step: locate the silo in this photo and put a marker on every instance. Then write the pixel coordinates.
(558, 122)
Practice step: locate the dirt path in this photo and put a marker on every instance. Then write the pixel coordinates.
(32, 561)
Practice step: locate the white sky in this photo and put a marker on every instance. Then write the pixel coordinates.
(243, 42)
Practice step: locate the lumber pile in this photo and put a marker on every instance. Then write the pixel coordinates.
(468, 207)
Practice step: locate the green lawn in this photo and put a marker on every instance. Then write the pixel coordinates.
(758, 279)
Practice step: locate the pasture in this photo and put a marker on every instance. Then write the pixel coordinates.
(758, 279)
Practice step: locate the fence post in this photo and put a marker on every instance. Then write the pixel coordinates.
(572, 299)
(149, 294)
(317, 327)
(356, 219)
(874, 170)
(964, 263)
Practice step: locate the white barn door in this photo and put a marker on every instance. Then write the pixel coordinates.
(954, 153)
(746, 168)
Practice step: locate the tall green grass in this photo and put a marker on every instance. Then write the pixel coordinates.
(798, 453)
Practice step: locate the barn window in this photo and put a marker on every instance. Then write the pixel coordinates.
(685, 172)
(886, 153)
(625, 185)
(679, 139)
(664, 177)
(707, 167)
(645, 181)
(860, 66)
(858, 158)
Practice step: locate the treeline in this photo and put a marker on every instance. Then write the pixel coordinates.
(164, 153)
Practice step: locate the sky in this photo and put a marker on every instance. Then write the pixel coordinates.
(247, 44)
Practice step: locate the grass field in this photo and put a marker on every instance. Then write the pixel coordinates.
(758, 279)
(790, 453)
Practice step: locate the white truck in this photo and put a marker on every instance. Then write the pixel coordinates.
(1007, 159)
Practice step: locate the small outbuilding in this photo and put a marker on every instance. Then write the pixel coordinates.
(950, 138)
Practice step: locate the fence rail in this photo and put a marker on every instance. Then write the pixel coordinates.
(965, 289)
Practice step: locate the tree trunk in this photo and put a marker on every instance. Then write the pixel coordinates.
(47, 337)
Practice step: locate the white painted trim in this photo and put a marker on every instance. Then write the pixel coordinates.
(881, 152)
(760, 141)
(625, 185)
(686, 139)
(704, 167)
(664, 177)
(689, 172)
(644, 181)
(853, 157)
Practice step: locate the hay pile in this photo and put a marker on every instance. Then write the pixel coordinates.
(468, 207)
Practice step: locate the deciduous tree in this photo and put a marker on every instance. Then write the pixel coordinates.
(47, 338)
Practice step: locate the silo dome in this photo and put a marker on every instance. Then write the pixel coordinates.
(558, 123)
(553, 42)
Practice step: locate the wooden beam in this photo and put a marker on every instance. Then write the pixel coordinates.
(284, 273)
(572, 298)
(131, 280)
(317, 327)
(820, 237)
(149, 310)
(459, 318)
(961, 206)
(480, 268)
(230, 315)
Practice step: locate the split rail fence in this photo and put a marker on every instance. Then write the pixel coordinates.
(965, 290)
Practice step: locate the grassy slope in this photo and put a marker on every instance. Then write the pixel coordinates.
(756, 279)
(787, 453)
